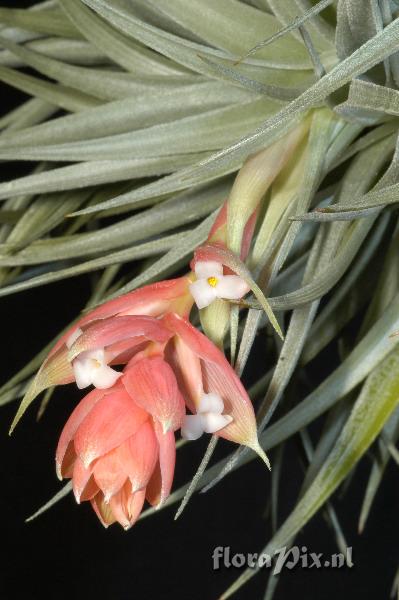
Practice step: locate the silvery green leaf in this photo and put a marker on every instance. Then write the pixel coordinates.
(351, 132)
(359, 207)
(69, 50)
(20, 202)
(221, 25)
(185, 246)
(368, 101)
(64, 491)
(292, 22)
(122, 50)
(180, 210)
(332, 427)
(356, 24)
(191, 55)
(272, 91)
(95, 173)
(27, 114)
(370, 54)
(330, 514)
(375, 404)
(297, 332)
(58, 95)
(105, 84)
(45, 21)
(316, 289)
(18, 35)
(120, 116)
(387, 285)
(391, 431)
(288, 55)
(8, 217)
(179, 180)
(363, 20)
(198, 475)
(369, 352)
(150, 13)
(394, 59)
(294, 13)
(320, 136)
(41, 216)
(12, 394)
(338, 317)
(197, 133)
(15, 385)
(340, 307)
(318, 66)
(352, 184)
(137, 252)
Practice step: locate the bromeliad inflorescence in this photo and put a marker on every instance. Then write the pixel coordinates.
(153, 374)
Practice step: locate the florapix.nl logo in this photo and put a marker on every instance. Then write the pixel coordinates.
(282, 558)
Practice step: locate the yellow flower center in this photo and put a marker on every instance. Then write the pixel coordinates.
(95, 363)
(212, 281)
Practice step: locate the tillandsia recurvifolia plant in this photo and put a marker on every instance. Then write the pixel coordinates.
(252, 146)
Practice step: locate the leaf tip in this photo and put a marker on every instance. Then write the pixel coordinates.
(256, 447)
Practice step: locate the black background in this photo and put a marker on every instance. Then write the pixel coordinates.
(67, 554)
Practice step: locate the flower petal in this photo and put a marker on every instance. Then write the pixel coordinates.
(231, 287)
(210, 403)
(142, 456)
(219, 378)
(68, 463)
(82, 374)
(71, 426)
(203, 293)
(192, 427)
(113, 419)
(150, 300)
(127, 506)
(103, 510)
(109, 331)
(90, 368)
(121, 352)
(83, 484)
(231, 261)
(208, 268)
(110, 473)
(212, 422)
(193, 339)
(105, 377)
(160, 484)
(153, 386)
(187, 369)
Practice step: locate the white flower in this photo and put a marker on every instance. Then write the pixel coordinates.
(212, 284)
(90, 367)
(209, 418)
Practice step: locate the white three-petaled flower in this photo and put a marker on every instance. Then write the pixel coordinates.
(209, 418)
(90, 367)
(212, 284)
